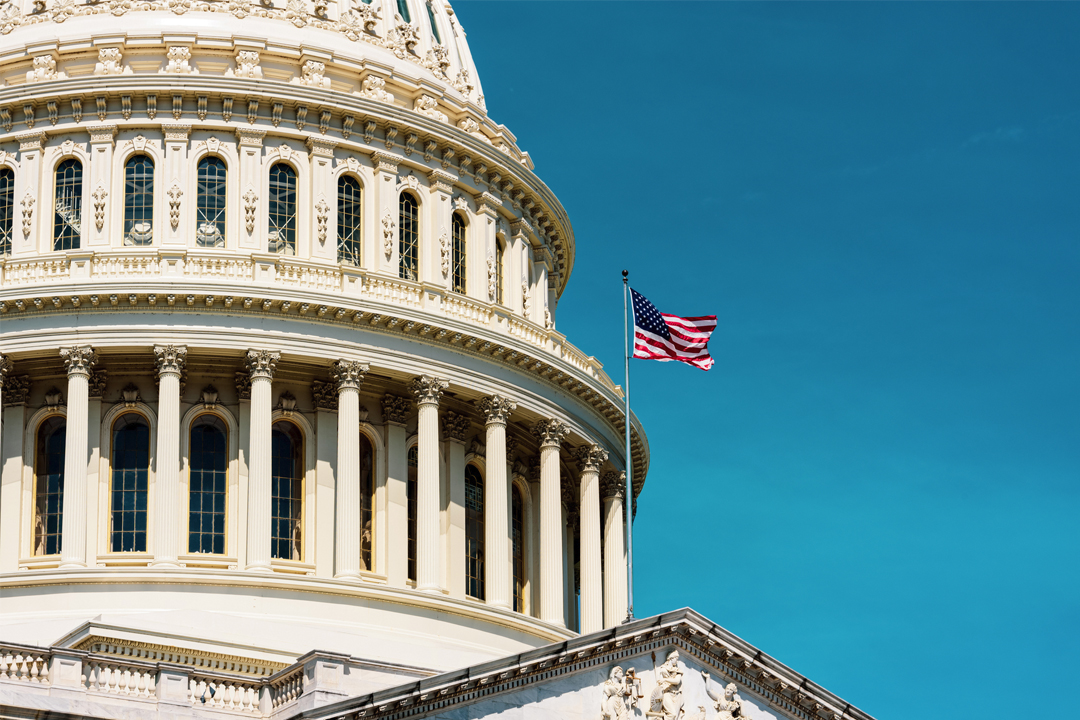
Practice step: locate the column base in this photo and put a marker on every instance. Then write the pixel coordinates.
(71, 565)
(166, 564)
(558, 622)
(499, 605)
(259, 568)
(351, 577)
(433, 589)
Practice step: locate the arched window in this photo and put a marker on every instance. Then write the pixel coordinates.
(410, 491)
(367, 491)
(408, 237)
(139, 201)
(130, 468)
(210, 203)
(348, 220)
(403, 10)
(49, 485)
(207, 485)
(500, 258)
(517, 536)
(474, 532)
(434, 25)
(287, 490)
(282, 209)
(457, 264)
(67, 219)
(7, 209)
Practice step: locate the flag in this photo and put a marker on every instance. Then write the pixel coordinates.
(659, 336)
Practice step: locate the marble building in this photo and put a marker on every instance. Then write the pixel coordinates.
(288, 427)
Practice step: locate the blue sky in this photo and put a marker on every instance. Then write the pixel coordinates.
(878, 482)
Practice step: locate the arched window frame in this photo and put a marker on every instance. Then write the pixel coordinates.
(410, 231)
(350, 248)
(7, 208)
(138, 201)
(32, 427)
(206, 212)
(474, 537)
(459, 270)
(284, 247)
(234, 209)
(116, 200)
(150, 446)
(307, 493)
(378, 499)
(105, 554)
(232, 430)
(65, 237)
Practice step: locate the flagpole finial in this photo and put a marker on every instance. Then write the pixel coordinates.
(625, 274)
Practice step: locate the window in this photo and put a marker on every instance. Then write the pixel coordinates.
(286, 491)
(49, 485)
(210, 203)
(410, 491)
(408, 237)
(207, 484)
(348, 220)
(474, 532)
(282, 209)
(367, 490)
(500, 257)
(457, 264)
(434, 25)
(67, 220)
(7, 209)
(130, 467)
(403, 10)
(517, 535)
(139, 201)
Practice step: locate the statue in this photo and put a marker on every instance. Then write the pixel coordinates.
(614, 706)
(729, 705)
(667, 700)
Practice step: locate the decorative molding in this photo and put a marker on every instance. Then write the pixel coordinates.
(110, 62)
(389, 227)
(395, 409)
(286, 404)
(551, 432)
(209, 397)
(170, 359)
(492, 278)
(44, 70)
(247, 66)
(429, 106)
(496, 409)
(444, 250)
(78, 359)
(16, 390)
(27, 213)
(428, 389)
(96, 385)
(325, 395)
(441, 181)
(250, 200)
(374, 88)
(99, 196)
(402, 40)
(177, 133)
(179, 61)
(313, 73)
(321, 147)
(130, 395)
(261, 363)
(174, 205)
(243, 385)
(54, 398)
(322, 213)
(250, 137)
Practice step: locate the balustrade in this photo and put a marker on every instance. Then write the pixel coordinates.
(286, 687)
(222, 693)
(24, 664)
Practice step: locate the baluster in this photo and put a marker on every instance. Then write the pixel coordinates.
(193, 687)
(35, 663)
(5, 660)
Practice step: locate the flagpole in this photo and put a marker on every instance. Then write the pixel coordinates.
(629, 503)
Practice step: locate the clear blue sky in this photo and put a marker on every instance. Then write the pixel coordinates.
(878, 482)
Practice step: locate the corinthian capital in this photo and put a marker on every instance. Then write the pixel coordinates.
(5, 368)
(170, 359)
(79, 359)
(348, 374)
(395, 409)
(590, 457)
(551, 432)
(496, 409)
(427, 389)
(261, 363)
(455, 426)
(613, 485)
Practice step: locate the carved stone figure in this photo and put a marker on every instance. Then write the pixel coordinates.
(179, 61)
(427, 105)
(729, 706)
(620, 694)
(109, 63)
(666, 700)
(374, 87)
(247, 65)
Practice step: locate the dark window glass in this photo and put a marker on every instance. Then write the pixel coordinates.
(49, 485)
(367, 490)
(139, 201)
(457, 265)
(409, 238)
(130, 467)
(7, 209)
(67, 219)
(500, 253)
(348, 220)
(207, 481)
(210, 203)
(287, 491)
(282, 209)
(434, 25)
(517, 535)
(410, 490)
(474, 532)
(403, 10)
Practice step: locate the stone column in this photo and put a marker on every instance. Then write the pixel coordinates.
(78, 360)
(590, 458)
(349, 376)
(167, 501)
(260, 364)
(552, 610)
(427, 390)
(613, 490)
(11, 452)
(496, 410)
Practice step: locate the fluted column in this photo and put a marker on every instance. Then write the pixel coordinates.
(590, 458)
(260, 365)
(5, 368)
(349, 376)
(78, 360)
(170, 365)
(496, 410)
(613, 490)
(552, 589)
(427, 390)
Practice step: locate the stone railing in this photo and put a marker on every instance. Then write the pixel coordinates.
(286, 686)
(219, 692)
(24, 664)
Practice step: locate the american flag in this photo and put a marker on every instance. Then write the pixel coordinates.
(659, 336)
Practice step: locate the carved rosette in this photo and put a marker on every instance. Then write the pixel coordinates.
(395, 409)
(613, 485)
(428, 389)
(170, 359)
(325, 395)
(97, 383)
(261, 363)
(348, 374)
(78, 360)
(550, 432)
(243, 385)
(455, 426)
(590, 457)
(496, 409)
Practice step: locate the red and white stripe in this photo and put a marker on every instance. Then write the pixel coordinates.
(689, 341)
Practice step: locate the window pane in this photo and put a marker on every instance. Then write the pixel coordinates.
(367, 489)
(286, 492)
(7, 209)
(49, 485)
(67, 218)
(130, 467)
(409, 238)
(457, 270)
(208, 462)
(282, 209)
(139, 201)
(500, 252)
(474, 532)
(517, 534)
(410, 490)
(403, 10)
(349, 235)
(210, 203)
(434, 25)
